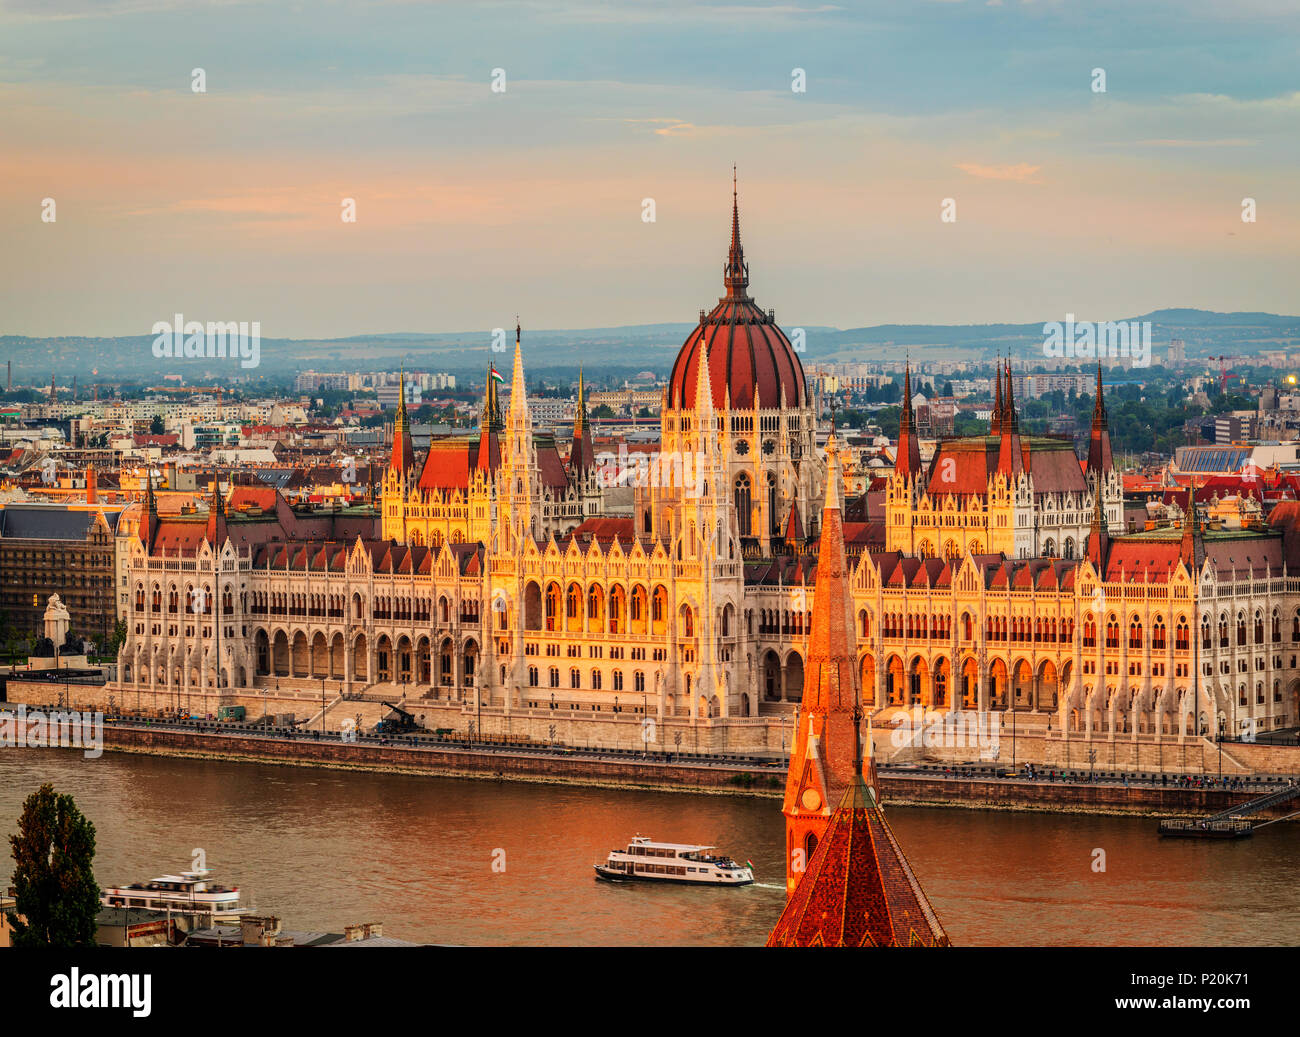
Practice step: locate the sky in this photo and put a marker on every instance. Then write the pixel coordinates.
(474, 205)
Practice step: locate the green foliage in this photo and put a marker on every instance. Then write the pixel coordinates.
(603, 411)
(117, 640)
(966, 425)
(156, 427)
(54, 882)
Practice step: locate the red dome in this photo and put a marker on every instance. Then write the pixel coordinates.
(746, 349)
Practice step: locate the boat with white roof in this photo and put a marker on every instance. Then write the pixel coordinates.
(188, 893)
(650, 861)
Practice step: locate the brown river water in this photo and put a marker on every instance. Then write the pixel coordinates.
(323, 849)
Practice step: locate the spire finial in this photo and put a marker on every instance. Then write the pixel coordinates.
(736, 276)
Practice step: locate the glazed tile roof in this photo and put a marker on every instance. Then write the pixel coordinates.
(858, 889)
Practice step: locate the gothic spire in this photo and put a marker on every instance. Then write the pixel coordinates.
(216, 527)
(995, 426)
(736, 272)
(1011, 460)
(1192, 549)
(908, 459)
(402, 458)
(1100, 459)
(1098, 535)
(583, 454)
(822, 760)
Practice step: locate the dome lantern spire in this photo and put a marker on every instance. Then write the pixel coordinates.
(736, 274)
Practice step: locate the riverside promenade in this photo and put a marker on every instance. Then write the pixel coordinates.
(987, 787)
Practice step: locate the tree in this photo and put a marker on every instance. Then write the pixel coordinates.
(118, 639)
(156, 426)
(603, 411)
(54, 884)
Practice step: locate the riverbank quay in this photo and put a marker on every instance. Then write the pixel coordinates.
(1099, 793)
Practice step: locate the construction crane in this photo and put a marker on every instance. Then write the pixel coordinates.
(1224, 375)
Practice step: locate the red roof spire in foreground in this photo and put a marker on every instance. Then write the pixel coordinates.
(856, 888)
(859, 890)
(825, 742)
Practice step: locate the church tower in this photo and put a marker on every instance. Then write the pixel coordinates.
(519, 486)
(823, 759)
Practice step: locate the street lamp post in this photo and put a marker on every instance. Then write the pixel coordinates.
(1221, 724)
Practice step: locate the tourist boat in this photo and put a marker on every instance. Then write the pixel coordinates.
(673, 862)
(187, 893)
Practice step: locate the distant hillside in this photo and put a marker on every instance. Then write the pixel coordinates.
(608, 352)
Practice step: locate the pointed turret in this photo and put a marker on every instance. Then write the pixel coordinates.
(794, 526)
(1100, 460)
(1098, 535)
(908, 460)
(995, 422)
(402, 459)
(149, 520)
(1011, 459)
(216, 528)
(1192, 550)
(518, 415)
(825, 749)
(489, 447)
(583, 455)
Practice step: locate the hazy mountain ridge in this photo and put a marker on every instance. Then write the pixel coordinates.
(607, 351)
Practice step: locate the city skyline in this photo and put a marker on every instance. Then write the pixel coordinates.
(474, 204)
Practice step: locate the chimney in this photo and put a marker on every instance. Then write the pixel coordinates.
(91, 497)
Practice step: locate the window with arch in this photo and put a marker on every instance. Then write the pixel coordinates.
(744, 504)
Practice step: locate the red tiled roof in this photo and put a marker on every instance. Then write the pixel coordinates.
(858, 889)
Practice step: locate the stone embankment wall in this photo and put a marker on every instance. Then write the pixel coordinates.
(502, 764)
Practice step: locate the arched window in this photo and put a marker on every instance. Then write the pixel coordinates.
(744, 504)
(774, 519)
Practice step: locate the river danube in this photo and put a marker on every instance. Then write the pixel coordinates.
(471, 862)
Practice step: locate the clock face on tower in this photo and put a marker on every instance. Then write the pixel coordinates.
(811, 799)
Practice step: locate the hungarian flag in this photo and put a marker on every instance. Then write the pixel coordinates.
(497, 374)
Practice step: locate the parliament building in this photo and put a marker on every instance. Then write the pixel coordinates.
(493, 589)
